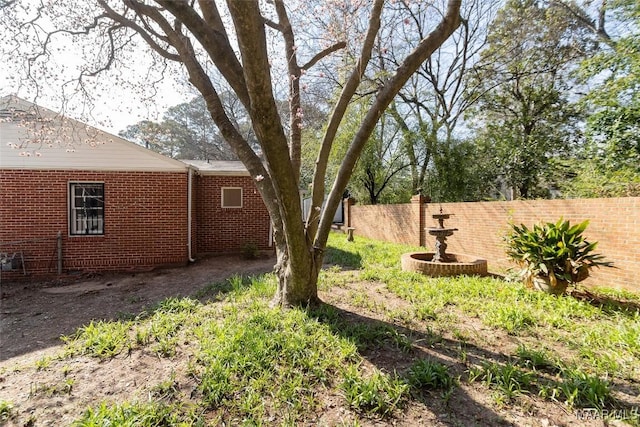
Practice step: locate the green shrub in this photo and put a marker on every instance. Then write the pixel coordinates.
(249, 250)
(557, 251)
(6, 410)
(509, 379)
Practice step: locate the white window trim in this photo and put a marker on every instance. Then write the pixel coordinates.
(70, 216)
(222, 197)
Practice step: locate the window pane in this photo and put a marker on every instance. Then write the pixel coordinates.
(87, 208)
(232, 197)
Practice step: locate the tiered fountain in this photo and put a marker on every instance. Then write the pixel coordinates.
(440, 263)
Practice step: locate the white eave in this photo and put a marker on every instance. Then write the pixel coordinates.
(44, 140)
(218, 167)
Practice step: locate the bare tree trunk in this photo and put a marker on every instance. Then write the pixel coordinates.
(297, 277)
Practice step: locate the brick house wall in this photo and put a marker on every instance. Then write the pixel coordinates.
(614, 224)
(223, 230)
(145, 218)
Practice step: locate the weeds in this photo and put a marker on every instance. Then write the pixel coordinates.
(509, 379)
(512, 319)
(257, 352)
(58, 389)
(537, 359)
(428, 375)
(606, 336)
(99, 339)
(379, 394)
(66, 370)
(579, 389)
(166, 390)
(176, 305)
(6, 410)
(140, 415)
(43, 363)
(252, 365)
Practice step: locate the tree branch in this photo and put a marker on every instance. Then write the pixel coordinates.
(122, 20)
(295, 106)
(326, 52)
(215, 42)
(596, 28)
(249, 26)
(350, 87)
(450, 22)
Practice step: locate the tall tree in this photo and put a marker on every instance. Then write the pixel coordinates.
(380, 166)
(524, 109)
(186, 132)
(613, 127)
(609, 164)
(431, 107)
(252, 45)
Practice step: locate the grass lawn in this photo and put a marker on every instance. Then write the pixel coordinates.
(387, 347)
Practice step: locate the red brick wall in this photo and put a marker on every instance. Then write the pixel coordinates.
(221, 229)
(145, 220)
(390, 223)
(614, 223)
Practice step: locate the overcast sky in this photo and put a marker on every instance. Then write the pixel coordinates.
(115, 106)
(113, 112)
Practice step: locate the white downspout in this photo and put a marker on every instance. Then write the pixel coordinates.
(189, 209)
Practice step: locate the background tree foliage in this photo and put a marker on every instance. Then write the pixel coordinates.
(613, 127)
(186, 132)
(542, 96)
(608, 164)
(526, 98)
(524, 110)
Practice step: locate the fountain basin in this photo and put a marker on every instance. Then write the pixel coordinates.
(441, 232)
(456, 264)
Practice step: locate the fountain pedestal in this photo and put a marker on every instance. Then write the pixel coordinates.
(439, 263)
(441, 233)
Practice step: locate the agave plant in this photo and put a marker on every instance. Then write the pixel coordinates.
(553, 255)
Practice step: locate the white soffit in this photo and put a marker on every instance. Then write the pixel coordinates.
(219, 167)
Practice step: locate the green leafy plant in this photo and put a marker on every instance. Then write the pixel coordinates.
(380, 394)
(6, 410)
(509, 379)
(579, 389)
(553, 255)
(250, 250)
(537, 359)
(139, 414)
(43, 363)
(99, 339)
(429, 375)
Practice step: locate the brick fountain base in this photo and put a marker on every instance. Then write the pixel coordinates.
(457, 264)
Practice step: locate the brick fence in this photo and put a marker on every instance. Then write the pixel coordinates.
(614, 223)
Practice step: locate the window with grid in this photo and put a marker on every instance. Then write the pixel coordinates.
(86, 216)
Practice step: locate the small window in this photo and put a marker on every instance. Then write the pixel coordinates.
(232, 197)
(86, 216)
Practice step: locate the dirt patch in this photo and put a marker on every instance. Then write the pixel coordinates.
(33, 316)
